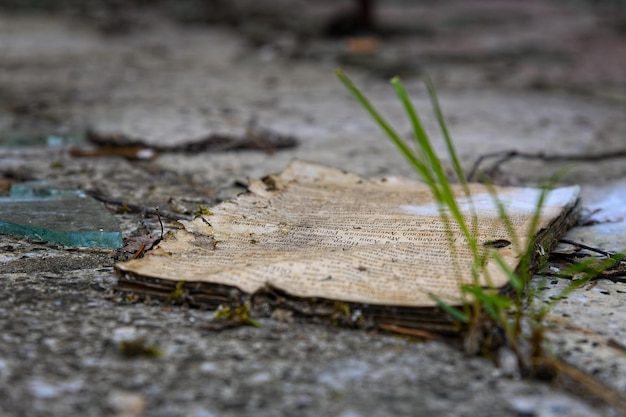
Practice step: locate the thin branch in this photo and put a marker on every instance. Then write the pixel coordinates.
(504, 156)
(586, 247)
(158, 213)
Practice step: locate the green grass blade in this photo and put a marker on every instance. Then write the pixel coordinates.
(515, 281)
(494, 304)
(393, 135)
(591, 269)
(447, 195)
(455, 313)
(423, 141)
(446, 135)
(451, 150)
(504, 216)
(421, 137)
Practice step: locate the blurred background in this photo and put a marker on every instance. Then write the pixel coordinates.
(567, 44)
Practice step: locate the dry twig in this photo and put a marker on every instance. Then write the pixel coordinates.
(504, 156)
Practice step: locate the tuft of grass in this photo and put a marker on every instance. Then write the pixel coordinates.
(484, 313)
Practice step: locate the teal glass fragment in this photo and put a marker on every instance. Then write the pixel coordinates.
(43, 211)
(37, 138)
(42, 189)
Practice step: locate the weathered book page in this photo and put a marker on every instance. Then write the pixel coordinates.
(316, 231)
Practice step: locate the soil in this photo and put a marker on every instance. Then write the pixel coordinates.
(534, 76)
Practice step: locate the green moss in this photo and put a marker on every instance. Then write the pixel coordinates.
(343, 309)
(239, 314)
(138, 348)
(178, 294)
(123, 208)
(202, 211)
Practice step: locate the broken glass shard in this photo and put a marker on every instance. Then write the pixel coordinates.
(44, 211)
(42, 189)
(39, 137)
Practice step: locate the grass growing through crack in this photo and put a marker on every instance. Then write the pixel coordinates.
(490, 320)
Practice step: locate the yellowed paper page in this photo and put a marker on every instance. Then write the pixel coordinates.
(316, 231)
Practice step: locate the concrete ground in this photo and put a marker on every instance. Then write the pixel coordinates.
(534, 76)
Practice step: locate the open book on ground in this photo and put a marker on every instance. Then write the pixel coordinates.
(320, 241)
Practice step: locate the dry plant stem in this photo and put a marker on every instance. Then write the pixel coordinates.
(407, 331)
(589, 384)
(139, 251)
(255, 138)
(616, 345)
(505, 156)
(158, 213)
(589, 248)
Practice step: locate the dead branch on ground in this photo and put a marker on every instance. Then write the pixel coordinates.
(505, 156)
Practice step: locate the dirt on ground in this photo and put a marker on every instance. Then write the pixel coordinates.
(224, 91)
